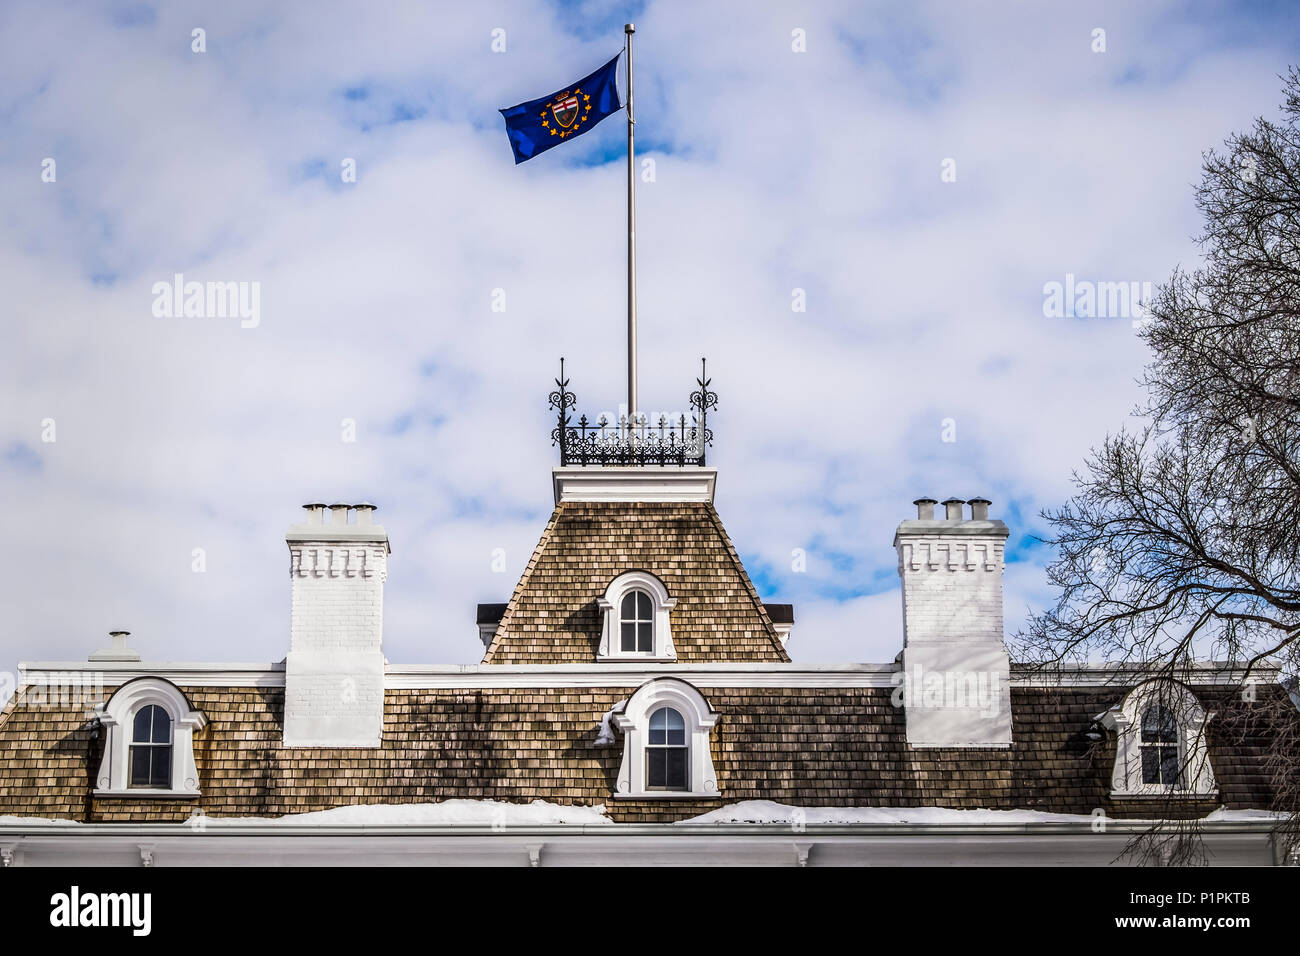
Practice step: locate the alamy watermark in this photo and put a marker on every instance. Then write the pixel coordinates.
(208, 300)
(933, 689)
(63, 689)
(1086, 299)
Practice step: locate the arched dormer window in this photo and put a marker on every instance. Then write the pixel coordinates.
(666, 726)
(149, 728)
(636, 624)
(1160, 742)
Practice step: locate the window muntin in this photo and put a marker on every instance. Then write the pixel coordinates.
(636, 623)
(1159, 746)
(151, 749)
(666, 751)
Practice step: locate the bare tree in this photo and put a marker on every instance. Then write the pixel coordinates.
(1182, 539)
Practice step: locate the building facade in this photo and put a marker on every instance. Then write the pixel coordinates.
(636, 703)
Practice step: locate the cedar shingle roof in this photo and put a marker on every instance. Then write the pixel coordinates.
(810, 747)
(552, 618)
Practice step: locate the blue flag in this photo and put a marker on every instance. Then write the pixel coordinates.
(537, 125)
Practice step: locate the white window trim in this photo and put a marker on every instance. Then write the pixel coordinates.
(611, 648)
(1125, 719)
(633, 721)
(117, 717)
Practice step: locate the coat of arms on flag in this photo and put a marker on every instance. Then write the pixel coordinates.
(537, 125)
(564, 110)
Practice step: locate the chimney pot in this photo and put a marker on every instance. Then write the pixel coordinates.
(979, 509)
(364, 510)
(339, 513)
(953, 507)
(315, 512)
(117, 649)
(925, 508)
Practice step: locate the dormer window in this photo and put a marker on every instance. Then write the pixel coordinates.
(636, 609)
(1161, 745)
(667, 752)
(148, 727)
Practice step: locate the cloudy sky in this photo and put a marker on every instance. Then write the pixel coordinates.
(774, 170)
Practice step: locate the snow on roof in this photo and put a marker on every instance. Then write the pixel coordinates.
(767, 811)
(497, 813)
(466, 813)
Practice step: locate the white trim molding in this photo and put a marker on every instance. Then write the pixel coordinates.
(610, 604)
(76, 674)
(634, 723)
(116, 717)
(1195, 775)
(278, 843)
(651, 483)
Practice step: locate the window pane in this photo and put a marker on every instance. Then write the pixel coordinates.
(162, 726)
(1169, 765)
(143, 725)
(645, 638)
(628, 610)
(658, 726)
(642, 606)
(629, 636)
(656, 767)
(162, 767)
(1150, 765)
(140, 766)
(676, 728)
(675, 770)
(1158, 725)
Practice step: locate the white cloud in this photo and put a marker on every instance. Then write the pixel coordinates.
(817, 170)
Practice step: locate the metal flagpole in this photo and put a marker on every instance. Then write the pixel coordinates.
(630, 29)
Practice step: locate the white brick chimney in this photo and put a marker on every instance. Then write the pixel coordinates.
(334, 672)
(956, 672)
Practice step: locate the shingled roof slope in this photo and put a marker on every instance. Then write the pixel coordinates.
(552, 617)
(809, 747)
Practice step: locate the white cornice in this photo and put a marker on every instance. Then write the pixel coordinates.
(1095, 675)
(84, 673)
(632, 674)
(612, 483)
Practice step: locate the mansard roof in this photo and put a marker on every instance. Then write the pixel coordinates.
(804, 746)
(553, 617)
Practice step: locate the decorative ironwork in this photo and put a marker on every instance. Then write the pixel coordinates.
(637, 442)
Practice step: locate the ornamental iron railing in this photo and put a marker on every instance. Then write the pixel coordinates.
(635, 441)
